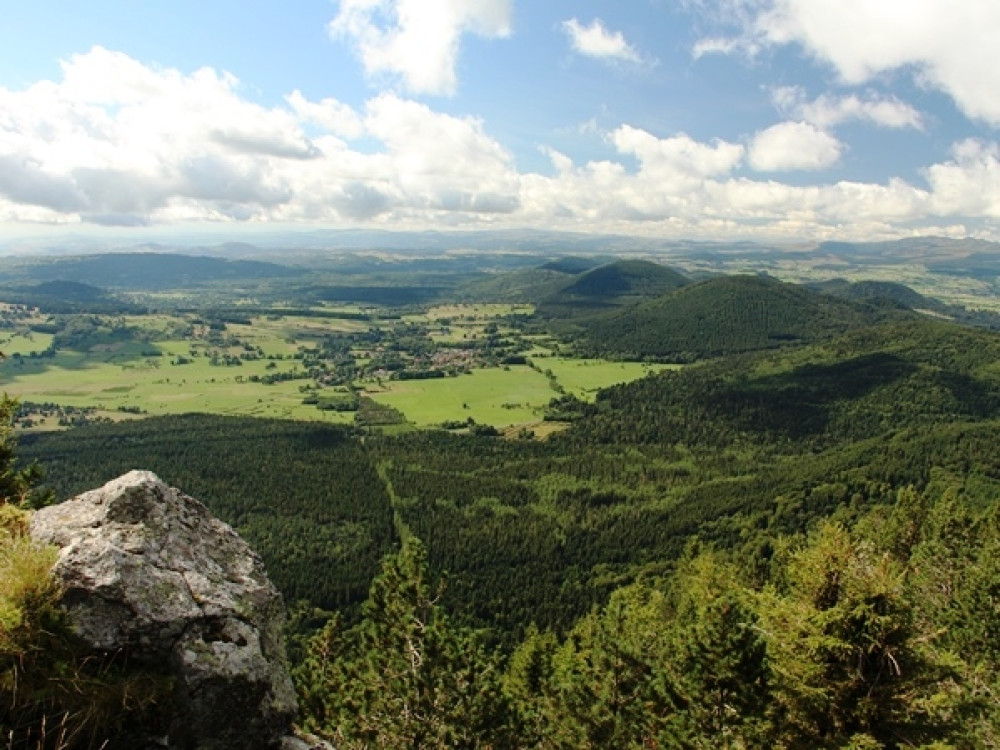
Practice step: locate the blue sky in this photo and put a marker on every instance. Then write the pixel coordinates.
(708, 119)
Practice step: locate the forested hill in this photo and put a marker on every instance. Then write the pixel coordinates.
(62, 297)
(145, 271)
(887, 291)
(900, 294)
(571, 287)
(626, 278)
(609, 287)
(868, 382)
(728, 315)
(571, 264)
(524, 286)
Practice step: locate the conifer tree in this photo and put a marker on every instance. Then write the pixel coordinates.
(404, 676)
(849, 666)
(608, 689)
(720, 656)
(527, 682)
(18, 485)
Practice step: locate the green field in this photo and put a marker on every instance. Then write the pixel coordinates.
(459, 323)
(285, 335)
(119, 378)
(155, 386)
(179, 364)
(24, 343)
(505, 396)
(496, 396)
(584, 377)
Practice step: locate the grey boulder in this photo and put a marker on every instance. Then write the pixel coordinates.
(148, 573)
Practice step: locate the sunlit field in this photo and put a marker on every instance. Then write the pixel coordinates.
(114, 381)
(175, 365)
(585, 377)
(496, 396)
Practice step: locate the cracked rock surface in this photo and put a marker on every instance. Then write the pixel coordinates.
(148, 572)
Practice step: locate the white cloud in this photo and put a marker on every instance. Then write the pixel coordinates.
(829, 110)
(603, 194)
(949, 46)
(969, 184)
(442, 161)
(330, 114)
(594, 40)
(793, 146)
(160, 147)
(24, 180)
(562, 163)
(723, 46)
(115, 137)
(677, 156)
(417, 40)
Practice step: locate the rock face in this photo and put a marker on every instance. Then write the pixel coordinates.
(149, 573)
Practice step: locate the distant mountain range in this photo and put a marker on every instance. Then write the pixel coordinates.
(533, 242)
(652, 305)
(148, 271)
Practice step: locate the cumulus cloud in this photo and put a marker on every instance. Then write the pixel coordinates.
(594, 40)
(605, 194)
(156, 145)
(170, 147)
(830, 110)
(670, 182)
(438, 160)
(949, 46)
(24, 180)
(116, 138)
(793, 146)
(417, 41)
(676, 156)
(334, 116)
(968, 184)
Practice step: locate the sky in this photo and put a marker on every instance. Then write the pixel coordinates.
(795, 120)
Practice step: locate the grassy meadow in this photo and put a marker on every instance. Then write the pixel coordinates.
(497, 396)
(178, 364)
(111, 381)
(585, 377)
(509, 396)
(24, 343)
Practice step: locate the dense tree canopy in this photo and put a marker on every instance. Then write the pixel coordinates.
(789, 548)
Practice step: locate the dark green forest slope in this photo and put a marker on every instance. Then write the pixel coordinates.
(145, 270)
(727, 315)
(306, 495)
(733, 451)
(62, 297)
(609, 287)
(869, 382)
(794, 545)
